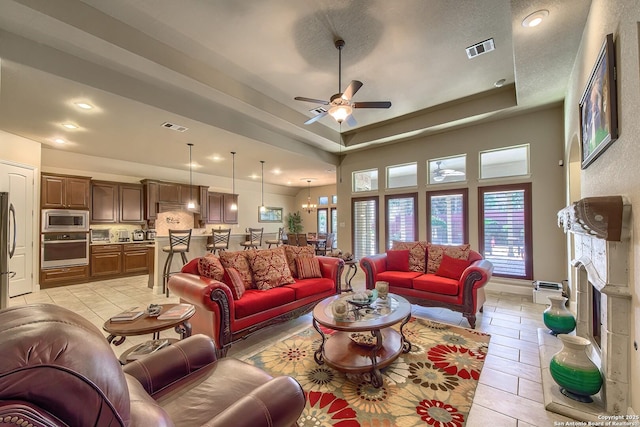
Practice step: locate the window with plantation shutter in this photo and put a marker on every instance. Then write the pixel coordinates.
(448, 217)
(365, 226)
(505, 229)
(402, 220)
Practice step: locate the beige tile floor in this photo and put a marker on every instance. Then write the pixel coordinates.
(509, 392)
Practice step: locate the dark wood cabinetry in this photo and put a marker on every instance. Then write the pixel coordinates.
(120, 259)
(113, 202)
(53, 277)
(219, 208)
(159, 196)
(106, 260)
(64, 192)
(131, 203)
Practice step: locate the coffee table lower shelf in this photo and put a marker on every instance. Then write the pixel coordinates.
(344, 355)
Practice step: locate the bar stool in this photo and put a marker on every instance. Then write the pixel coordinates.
(220, 240)
(179, 241)
(278, 240)
(255, 239)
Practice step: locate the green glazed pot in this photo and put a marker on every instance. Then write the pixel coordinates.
(578, 377)
(557, 317)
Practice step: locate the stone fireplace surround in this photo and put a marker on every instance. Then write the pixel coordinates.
(601, 237)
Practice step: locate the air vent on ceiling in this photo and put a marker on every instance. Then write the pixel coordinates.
(318, 110)
(480, 48)
(174, 126)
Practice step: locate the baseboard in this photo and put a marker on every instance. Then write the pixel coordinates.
(511, 287)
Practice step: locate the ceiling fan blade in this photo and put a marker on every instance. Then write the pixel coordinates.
(351, 121)
(315, 118)
(374, 104)
(351, 90)
(315, 101)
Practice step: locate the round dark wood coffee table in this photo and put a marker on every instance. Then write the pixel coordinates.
(147, 325)
(343, 354)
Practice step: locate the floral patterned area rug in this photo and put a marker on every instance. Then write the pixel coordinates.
(432, 385)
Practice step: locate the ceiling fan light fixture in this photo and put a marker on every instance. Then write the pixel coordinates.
(340, 112)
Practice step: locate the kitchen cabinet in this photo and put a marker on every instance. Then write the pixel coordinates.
(135, 258)
(104, 202)
(219, 208)
(63, 276)
(106, 260)
(176, 196)
(168, 192)
(64, 192)
(150, 194)
(131, 203)
(113, 202)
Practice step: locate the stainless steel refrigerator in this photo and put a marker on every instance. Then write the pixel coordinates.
(7, 245)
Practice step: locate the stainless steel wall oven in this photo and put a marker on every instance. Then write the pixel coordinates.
(64, 249)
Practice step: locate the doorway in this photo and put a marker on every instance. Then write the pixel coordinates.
(19, 183)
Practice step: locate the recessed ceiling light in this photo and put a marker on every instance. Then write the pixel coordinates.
(535, 19)
(276, 171)
(60, 140)
(500, 83)
(84, 105)
(69, 126)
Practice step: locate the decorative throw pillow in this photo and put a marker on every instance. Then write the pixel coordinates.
(233, 279)
(210, 266)
(293, 252)
(452, 267)
(417, 254)
(435, 253)
(269, 268)
(238, 260)
(398, 260)
(308, 267)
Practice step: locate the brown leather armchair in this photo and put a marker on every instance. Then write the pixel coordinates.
(57, 369)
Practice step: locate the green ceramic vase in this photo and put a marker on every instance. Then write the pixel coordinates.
(578, 377)
(557, 317)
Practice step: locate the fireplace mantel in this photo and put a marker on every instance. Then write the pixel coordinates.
(600, 217)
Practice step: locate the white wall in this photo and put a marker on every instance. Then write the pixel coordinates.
(616, 171)
(541, 129)
(17, 149)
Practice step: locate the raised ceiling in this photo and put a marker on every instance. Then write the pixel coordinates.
(229, 70)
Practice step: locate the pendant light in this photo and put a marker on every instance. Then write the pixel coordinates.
(309, 207)
(191, 205)
(234, 205)
(262, 206)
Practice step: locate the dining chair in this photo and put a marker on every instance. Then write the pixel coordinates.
(312, 236)
(302, 239)
(327, 246)
(220, 242)
(292, 239)
(278, 240)
(179, 241)
(255, 239)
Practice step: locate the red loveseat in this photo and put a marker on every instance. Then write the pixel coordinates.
(464, 294)
(227, 320)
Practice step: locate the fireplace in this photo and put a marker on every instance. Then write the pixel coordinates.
(600, 228)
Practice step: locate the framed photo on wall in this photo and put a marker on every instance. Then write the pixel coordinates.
(270, 215)
(598, 106)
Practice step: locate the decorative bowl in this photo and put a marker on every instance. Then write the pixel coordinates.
(365, 340)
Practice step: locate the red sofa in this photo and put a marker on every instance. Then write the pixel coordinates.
(227, 320)
(465, 295)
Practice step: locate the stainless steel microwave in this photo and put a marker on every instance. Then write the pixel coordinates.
(57, 220)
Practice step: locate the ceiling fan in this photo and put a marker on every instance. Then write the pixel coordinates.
(340, 104)
(440, 174)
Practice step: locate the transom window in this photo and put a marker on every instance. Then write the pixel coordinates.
(366, 180)
(399, 176)
(448, 169)
(504, 162)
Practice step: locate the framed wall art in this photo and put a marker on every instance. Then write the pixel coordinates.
(598, 106)
(270, 215)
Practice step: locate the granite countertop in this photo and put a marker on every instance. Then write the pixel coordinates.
(123, 243)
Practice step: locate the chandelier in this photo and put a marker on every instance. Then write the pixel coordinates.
(309, 207)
